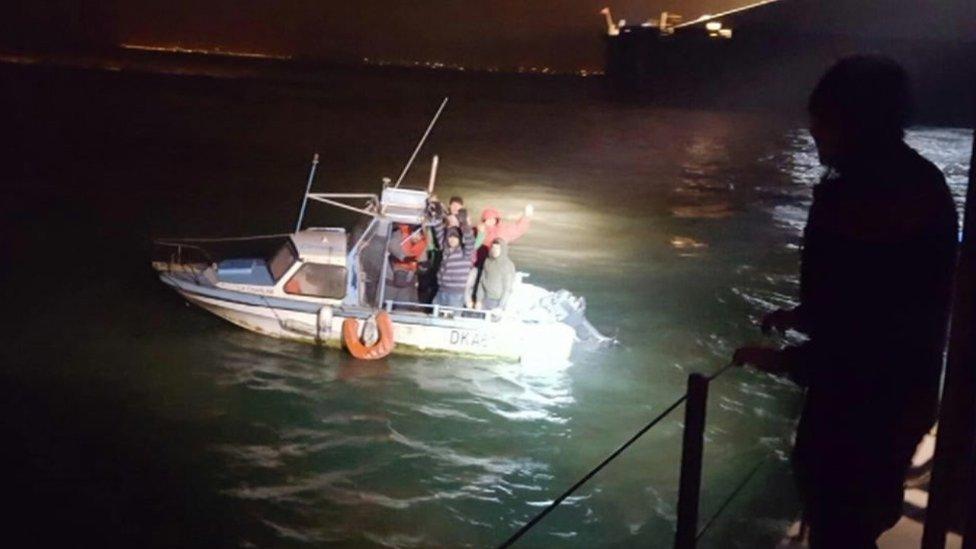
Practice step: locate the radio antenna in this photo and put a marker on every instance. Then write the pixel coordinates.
(421, 143)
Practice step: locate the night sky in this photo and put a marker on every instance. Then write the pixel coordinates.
(560, 34)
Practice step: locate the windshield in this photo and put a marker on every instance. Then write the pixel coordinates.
(282, 261)
(318, 281)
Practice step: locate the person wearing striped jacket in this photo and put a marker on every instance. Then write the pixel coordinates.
(452, 277)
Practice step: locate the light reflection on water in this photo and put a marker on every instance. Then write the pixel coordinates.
(948, 149)
(418, 452)
(679, 227)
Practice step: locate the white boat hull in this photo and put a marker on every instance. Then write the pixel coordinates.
(508, 338)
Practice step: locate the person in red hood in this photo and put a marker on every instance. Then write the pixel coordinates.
(492, 226)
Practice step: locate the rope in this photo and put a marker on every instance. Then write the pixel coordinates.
(555, 503)
(274, 312)
(721, 371)
(732, 496)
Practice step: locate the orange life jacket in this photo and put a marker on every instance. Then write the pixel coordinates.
(413, 250)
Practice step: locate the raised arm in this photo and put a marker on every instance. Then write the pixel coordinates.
(468, 242)
(415, 247)
(440, 232)
(479, 239)
(510, 232)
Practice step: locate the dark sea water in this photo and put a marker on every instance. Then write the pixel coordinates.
(132, 419)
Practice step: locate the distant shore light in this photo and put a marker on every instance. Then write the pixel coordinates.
(200, 51)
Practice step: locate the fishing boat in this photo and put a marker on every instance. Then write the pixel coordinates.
(321, 285)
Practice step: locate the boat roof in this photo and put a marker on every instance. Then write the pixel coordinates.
(321, 245)
(404, 205)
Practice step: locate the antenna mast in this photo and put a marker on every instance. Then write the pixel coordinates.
(308, 188)
(421, 143)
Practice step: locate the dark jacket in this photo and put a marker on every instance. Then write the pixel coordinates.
(878, 255)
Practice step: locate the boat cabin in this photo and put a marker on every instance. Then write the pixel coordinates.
(311, 263)
(317, 263)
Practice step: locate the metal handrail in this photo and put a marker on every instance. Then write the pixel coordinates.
(692, 450)
(435, 309)
(181, 244)
(176, 257)
(689, 491)
(731, 497)
(332, 199)
(179, 248)
(171, 241)
(555, 503)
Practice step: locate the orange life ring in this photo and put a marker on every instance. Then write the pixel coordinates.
(383, 346)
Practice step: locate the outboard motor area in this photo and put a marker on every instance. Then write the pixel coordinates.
(571, 310)
(536, 304)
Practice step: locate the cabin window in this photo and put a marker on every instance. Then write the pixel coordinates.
(318, 280)
(282, 261)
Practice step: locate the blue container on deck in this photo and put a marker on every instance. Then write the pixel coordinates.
(245, 271)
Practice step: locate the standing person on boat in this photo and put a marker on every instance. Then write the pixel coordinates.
(455, 215)
(875, 282)
(428, 267)
(407, 247)
(497, 278)
(493, 226)
(457, 211)
(441, 219)
(452, 277)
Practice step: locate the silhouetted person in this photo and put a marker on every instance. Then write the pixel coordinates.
(877, 261)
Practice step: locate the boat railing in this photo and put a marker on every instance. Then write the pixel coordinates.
(188, 254)
(439, 311)
(337, 200)
(185, 257)
(689, 529)
(180, 246)
(179, 251)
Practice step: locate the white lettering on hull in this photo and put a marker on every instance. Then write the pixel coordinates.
(469, 338)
